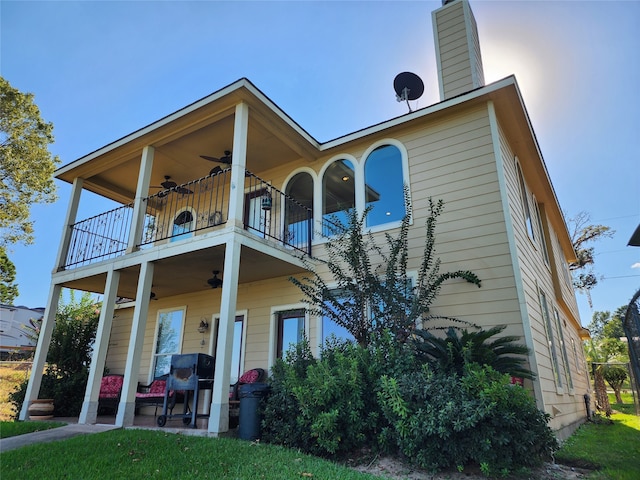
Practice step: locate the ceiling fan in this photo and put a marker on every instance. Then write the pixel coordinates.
(170, 186)
(215, 282)
(226, 159)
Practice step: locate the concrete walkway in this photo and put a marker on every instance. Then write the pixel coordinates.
(60, 433)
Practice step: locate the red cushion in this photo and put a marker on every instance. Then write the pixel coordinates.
(157, 387)
(110, 386)
(250, 376)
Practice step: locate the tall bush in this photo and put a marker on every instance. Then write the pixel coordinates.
(368, 299)
(69, 357)
(322, 406)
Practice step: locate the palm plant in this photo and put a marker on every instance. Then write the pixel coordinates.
(454, 351)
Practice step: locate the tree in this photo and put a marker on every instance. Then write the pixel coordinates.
(26, 165)
(582, 234)
(8, 289)
(606, 333)
(605, 346)
(69, 357)
(615, 376)
(597, 361)
(367, 300)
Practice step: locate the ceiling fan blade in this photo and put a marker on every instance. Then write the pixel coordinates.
(184, 191)
(226, 159)
(211, 159)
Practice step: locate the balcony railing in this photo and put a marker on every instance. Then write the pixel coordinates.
(181, 211)
(270, 213)
(99, 238)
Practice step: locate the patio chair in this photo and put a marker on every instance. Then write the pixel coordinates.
(152, 395)
(110, 391)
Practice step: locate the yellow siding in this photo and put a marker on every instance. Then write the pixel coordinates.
(562, 403)
(453, 160)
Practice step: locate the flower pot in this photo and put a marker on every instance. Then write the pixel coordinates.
(41, 409)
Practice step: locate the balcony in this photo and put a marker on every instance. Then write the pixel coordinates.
(188, 210)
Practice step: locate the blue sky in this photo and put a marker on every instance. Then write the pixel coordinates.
(100, 70)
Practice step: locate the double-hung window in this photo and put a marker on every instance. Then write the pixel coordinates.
(168, 340)
(290, 325)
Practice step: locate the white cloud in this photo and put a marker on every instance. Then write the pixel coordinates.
(636, 265)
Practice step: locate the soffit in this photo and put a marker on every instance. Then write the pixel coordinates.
(204, 128)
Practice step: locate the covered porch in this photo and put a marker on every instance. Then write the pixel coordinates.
(168, 241)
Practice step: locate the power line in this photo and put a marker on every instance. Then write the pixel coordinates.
(621, 276)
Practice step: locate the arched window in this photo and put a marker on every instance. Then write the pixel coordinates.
(298, 220)
(338, 192)
(182, 226)
(384, 185)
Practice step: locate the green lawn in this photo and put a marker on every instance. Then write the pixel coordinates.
(122, 454)
(11, 429)
(613, 449)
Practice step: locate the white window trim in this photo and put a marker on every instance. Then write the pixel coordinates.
(273, 326)
(526, 205)
(541, 235)
(359, 179)
(243, 341)
(316, 223)
(547, 323)
(360, 190)
(155, 336)
(194, 216)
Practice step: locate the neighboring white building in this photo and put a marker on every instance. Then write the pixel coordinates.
(12, 334)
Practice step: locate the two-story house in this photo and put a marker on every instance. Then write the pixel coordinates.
(239, 221)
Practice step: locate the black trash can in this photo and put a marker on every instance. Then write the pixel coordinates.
(251, 394)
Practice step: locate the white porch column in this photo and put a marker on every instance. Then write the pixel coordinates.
(238, 165)
(139, 205)
(69, 220)
(44, 338)
(89, 411)
(126, 408)
(219, 411)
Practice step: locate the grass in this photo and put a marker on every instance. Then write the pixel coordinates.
(11, 429)
(11, 375)
(121, 454)
(612, 449)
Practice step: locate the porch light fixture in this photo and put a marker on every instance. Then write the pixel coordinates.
(215, 282)
(204, 326)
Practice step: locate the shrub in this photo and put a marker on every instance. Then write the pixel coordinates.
(442, 421)
(453, 352)
(327, 406)
(68, 360)
(281, 408)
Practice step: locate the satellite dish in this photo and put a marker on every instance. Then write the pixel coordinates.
(408, 86)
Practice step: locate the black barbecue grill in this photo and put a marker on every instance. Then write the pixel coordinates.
(189, 373)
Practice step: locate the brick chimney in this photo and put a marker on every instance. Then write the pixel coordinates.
(457, 49)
